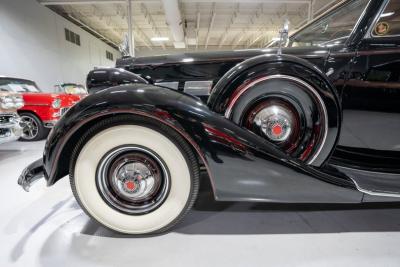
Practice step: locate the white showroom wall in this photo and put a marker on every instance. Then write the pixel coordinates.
(33, 46)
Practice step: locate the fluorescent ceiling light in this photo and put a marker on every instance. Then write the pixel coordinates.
(191, 41)
(179, 45)
(388, 14)
(159, 39)
(188, 59)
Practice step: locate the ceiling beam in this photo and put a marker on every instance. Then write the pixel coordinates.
(310, 10)
(253, 20)
(197, 29)
(255, 40)
(71, 14)
(317, 13)
(210, 26)
(131, 37)
(237, 42)
(84, 25)
(248, 1)
(90, 2)
(173, 19)
(108, 23)
(151, 22)
(325, 7)
(122, 13)
(89, 28)
(230, 21)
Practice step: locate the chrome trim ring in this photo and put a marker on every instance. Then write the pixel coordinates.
(314, 92)
(133, 179)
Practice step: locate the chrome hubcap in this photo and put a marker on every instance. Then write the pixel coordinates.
(29, 127)
(276, 119)
(275, 122)
(133, 179)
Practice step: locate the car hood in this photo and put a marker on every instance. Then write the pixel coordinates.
(47, 98)
(212, 56)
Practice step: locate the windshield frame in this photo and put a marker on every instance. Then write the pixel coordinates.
(327, 13)
(22, 81)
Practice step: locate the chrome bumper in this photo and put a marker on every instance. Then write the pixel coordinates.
(31, 174)
(9, 138)
(10, 128)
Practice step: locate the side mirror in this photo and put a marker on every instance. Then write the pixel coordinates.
(102, 78)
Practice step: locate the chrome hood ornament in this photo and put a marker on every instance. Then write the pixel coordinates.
(283, 36)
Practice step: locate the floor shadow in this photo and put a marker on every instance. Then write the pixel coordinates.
(240, 218)
(19, 248)
(80, 240)
(6, 154)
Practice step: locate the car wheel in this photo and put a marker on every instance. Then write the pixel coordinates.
(32, 127)
(134, 176)
(286, 111)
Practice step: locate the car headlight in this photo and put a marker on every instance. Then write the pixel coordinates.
(56, 103)
(19, 102)
(7, 102)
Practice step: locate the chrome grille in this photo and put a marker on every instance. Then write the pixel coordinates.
(7, 119)
(5, 133)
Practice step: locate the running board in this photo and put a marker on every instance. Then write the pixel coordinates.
(373, 183)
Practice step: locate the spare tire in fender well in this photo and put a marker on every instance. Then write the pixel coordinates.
(226, 91)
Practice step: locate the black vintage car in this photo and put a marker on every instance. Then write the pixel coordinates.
(318, 123)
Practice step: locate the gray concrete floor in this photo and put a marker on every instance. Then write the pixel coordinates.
(46, 227)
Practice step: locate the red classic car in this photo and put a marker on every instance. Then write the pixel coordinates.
(41, 110)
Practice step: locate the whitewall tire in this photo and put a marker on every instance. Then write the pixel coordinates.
(169, 192)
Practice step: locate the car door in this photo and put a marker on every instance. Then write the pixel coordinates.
(371, 97)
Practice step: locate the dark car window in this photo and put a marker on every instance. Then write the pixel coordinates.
(388, 23)
(18, 86)
(333, 29)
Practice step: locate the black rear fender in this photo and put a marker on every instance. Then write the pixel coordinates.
(232, 87)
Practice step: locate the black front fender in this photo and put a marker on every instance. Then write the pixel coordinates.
(240, 164)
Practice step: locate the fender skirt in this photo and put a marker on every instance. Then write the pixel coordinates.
(240, 164)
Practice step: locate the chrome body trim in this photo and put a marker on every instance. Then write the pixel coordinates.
(373, 193)
(198, 88)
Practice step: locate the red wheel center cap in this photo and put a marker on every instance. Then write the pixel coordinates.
(130, 185)
(277, 130)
